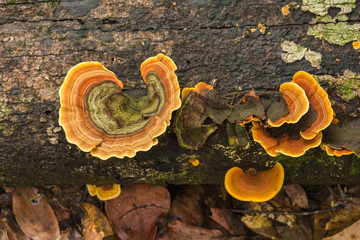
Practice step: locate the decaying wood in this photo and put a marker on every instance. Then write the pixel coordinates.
(41, 40)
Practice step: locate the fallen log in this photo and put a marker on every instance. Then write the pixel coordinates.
(244, 45)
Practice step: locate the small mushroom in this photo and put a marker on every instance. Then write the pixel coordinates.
(319, 101)
(285, 145)
(297, 102)
(256, 186)
(98, 117)
(104, 192)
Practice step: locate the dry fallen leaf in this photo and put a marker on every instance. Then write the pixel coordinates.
(179, 231)
(351, 232)
(3, 233)
(34, 215)
(12, 228)
(260, 224)
(330, 223)
(97, 221)
(218, 216)
(90, 232)
(134, 213)
(188, 205)
(61, 212)
(297, 195)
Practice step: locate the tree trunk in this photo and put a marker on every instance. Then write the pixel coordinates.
(41, 40)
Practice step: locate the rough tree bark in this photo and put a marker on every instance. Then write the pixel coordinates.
(219, 39)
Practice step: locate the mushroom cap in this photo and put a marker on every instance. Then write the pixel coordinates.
(104, 192)
(284, 145)
(198, 89)
(297, 102)
(254, 186)
(97, 117)
(319, 100)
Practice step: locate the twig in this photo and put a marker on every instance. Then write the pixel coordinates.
(305, 213)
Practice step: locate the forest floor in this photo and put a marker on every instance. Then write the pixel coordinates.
(179, 212)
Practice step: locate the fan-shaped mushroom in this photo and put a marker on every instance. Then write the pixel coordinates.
(256, 186)
(297, 102)
(319, 100)
(98, 117)
(285, 145)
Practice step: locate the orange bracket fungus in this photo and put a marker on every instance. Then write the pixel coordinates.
(247, 109)
(297, 102)
(98, 117)
(319, 101)
(256, 186)
(104, 192)
(342, 138)
(200, 104)
(285, 145)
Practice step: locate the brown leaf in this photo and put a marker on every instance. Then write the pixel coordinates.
(178, 231)
(297, 195)
(134, 213)
(34, 215)
(97, 220)
(90, 232)
(218, 216)
(188, 206)
(235, 223)
(351, 232)
(330, 223)
(261, 225)
(12, 228)
(61, 212)
(3, 233)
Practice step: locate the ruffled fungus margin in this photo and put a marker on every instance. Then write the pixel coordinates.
(254, 186)
(98, 117)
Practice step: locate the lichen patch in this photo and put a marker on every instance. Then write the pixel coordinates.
(52, 133)
(321, 9)
(6, 129)
(314, 58)
(347, 85)
(338, 34)
(294, 52)
(4, 109)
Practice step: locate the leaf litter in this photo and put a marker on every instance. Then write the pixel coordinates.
(179, 212)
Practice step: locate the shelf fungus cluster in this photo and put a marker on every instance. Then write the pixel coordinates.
(309, 112)
(101, 119)
(289, 121)
(252, 185)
